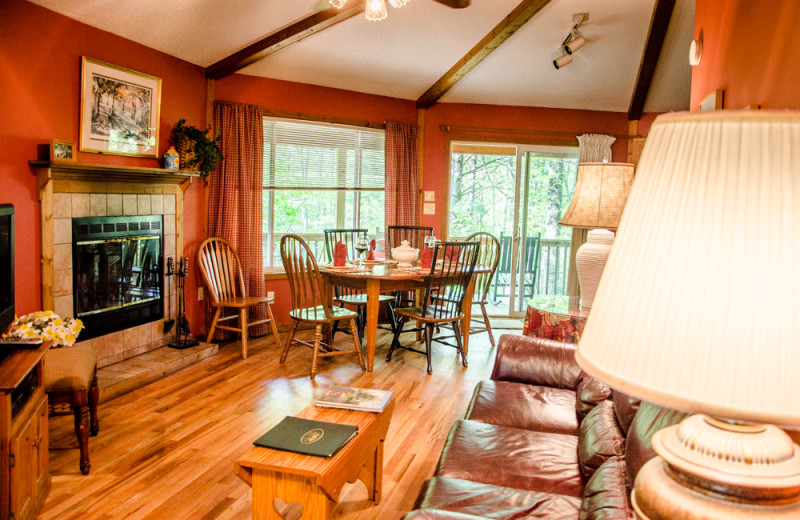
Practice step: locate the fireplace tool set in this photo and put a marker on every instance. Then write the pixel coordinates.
(183, 335)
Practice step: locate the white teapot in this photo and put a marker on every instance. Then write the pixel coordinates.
(404, 254)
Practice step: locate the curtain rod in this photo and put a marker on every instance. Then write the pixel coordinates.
(517, 131)
(324, 119)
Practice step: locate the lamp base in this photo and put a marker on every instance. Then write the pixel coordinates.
(713, 469)
(590, 260)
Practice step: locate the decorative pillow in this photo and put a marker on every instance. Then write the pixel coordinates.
(605, 496)
(599, 439)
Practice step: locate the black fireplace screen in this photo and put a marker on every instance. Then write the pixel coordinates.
(117, 272)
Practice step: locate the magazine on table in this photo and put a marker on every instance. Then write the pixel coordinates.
(361, 399)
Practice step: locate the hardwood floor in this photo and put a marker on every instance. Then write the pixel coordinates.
(166, 451)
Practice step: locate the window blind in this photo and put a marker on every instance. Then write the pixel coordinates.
(319, 156)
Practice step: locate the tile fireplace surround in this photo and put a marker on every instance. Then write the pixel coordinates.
(69, 190)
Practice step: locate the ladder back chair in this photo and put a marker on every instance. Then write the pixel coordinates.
(531, 268)
(222, 273)
(311, 302)
(489, 256)
(416, 238)
(345, 295)
(444, 297)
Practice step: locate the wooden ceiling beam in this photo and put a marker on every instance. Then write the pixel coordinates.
(281, 39)
(662, 12)
(526, 10)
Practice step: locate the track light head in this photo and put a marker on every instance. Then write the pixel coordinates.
(562, 61)
(574, 44)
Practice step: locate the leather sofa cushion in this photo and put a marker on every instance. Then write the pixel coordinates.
(495, 502)
(625, 407)
(606, 493)
(538, 408)
(537, 361)
(648, 420)
(600, 438)
(589, 391)
(512, 457)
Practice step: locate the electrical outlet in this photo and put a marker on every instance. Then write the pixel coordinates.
(270, 294)
(199, 294)
(430, 196)
(429, 208)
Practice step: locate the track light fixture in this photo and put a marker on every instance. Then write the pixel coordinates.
(572, 42)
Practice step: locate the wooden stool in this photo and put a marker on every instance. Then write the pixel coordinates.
(70, 380)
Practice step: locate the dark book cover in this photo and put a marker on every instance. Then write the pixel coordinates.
(306, 436)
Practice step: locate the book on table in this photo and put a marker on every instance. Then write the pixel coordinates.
(308, 437)
(360, 399)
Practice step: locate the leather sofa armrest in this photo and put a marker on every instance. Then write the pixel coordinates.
(536, 361)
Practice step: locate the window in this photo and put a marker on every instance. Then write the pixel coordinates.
(319, 176)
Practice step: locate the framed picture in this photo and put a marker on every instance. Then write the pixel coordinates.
(119, 110)
(61, 151)
(713, 101)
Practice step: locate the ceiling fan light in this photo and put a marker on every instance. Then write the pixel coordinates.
(574, 44)
(376, 10)
(562, 61)
(338, 4)
(398, 3)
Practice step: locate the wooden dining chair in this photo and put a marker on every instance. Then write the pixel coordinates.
(222, 274)
(312, 302)
(444, 297)
(489, 256)
(416, 239)
(345, 295)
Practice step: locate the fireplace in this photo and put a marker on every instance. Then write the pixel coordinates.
(117, 272)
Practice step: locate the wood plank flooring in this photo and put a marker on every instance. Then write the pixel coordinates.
(166, 451)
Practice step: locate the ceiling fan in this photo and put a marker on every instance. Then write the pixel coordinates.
(376, 9)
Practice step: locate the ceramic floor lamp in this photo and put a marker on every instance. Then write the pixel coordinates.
(698, 311)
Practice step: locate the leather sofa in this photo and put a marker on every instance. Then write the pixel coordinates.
(542, 440)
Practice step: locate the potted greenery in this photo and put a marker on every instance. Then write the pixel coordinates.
(197, 148)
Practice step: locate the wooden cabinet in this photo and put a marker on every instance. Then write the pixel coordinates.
(24, 458)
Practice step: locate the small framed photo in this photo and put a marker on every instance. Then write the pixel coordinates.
(61, 151)
(119, 110)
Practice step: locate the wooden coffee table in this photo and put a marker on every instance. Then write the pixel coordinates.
(315, 482)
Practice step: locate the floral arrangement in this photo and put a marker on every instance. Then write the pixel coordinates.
(47, 326)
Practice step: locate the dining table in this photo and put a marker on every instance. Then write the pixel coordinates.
(374, 278)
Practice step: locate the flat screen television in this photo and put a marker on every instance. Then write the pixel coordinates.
(6, 266)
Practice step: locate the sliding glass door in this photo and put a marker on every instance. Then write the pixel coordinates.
(517, 193)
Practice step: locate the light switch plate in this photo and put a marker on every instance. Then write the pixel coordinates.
(429, 208)
(430, 196)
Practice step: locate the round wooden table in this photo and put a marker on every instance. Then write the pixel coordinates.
(551, 317)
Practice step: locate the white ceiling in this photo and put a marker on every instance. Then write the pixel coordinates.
(405, 54)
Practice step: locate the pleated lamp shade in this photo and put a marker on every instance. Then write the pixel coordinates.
(601, 190)
(698, 308)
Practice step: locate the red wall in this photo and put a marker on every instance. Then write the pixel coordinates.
(750, 50)
(40, 67)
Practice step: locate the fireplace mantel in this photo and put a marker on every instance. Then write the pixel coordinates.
(85, 172)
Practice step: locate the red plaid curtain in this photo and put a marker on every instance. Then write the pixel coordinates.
(235, 196)
(402, 184)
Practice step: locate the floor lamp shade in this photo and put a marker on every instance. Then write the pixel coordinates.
(601, 191)
(699, 303)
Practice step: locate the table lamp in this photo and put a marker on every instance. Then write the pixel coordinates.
(699, 310)
(601, 190)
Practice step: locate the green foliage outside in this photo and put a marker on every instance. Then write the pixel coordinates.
(482, 194)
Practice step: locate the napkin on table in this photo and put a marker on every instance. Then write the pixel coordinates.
(339, 254)
(426, 258)
(371, 252)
